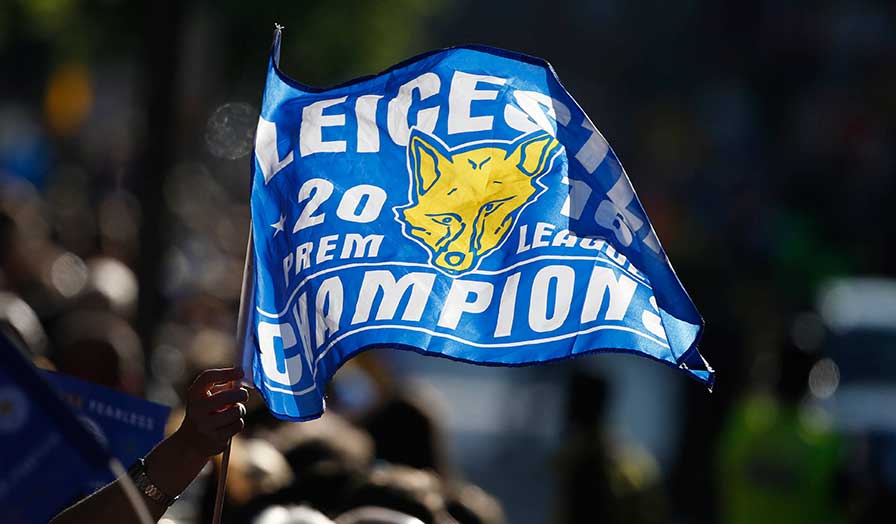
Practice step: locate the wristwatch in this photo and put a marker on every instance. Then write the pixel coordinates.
(146, 486)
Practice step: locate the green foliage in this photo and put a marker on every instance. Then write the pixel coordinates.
(327, 42)
(72, 29)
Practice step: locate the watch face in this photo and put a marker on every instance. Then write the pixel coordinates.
(141, 481)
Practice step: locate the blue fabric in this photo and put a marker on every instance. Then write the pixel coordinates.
(127, 426)
(459, 204)
(48, 459)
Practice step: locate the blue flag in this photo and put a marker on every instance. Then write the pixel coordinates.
(47, 457)
(127, 426)
(459, 204)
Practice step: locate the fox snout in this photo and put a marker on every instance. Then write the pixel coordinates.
(450, 237)
(455, 260)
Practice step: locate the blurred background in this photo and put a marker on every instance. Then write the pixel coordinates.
(761, 137)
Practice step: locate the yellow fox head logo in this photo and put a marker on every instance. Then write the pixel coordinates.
(464, 201)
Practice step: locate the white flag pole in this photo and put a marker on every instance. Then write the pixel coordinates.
(241, 324)
(244, 357)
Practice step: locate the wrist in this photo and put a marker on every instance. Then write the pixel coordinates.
(174, 463)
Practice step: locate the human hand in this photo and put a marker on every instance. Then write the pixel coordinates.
(214, 411)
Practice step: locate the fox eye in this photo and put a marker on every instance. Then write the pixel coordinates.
(445, 220)
(491, 207)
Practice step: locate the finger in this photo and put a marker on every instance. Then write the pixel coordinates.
(210, 377)
(228, 416)
(222, 399)
(230, 430)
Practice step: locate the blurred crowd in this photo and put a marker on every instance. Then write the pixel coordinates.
(761, 138)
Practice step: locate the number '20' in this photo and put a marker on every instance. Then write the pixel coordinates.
(361, 204)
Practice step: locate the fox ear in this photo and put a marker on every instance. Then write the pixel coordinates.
(533, 151)
(424, 157)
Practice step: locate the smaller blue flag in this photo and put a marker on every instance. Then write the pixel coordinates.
(47, 457)
(127, 426)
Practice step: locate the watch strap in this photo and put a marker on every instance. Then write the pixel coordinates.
(146, 486)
